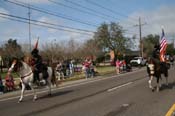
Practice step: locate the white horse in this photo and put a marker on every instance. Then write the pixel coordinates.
(26, 77)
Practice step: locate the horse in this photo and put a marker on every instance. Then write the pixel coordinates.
(24, 70)
(155, 69)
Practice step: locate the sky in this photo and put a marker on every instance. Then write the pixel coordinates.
(62, 20)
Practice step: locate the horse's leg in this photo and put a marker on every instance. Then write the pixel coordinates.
(49, 87)
(166, 81)
(22, 92)
(158, 83)
(58, 76)
(150, 82)
(166, 76)
(34, 92)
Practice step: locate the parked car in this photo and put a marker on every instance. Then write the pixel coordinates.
(138, 61)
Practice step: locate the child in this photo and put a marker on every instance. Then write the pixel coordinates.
(9, 82)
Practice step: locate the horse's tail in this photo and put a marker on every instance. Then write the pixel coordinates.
(54, 80)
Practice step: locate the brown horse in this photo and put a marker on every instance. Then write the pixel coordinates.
(156, 69)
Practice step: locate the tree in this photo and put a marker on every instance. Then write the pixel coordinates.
(170, 49)
(91, 48)
(12, 49)
(110, 37)
(149, 41)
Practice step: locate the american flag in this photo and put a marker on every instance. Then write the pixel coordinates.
(163, 46)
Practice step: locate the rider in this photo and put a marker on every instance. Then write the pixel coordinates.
(156, 54)
(37, 64)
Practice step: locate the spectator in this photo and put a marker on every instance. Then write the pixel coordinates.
(71, 68)
(1, 86)
(92, 68)
(124, 65)
(86, 67)
(9, 82)
(117, 64)
(59, 70)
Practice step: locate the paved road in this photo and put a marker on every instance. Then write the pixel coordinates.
(120, 95)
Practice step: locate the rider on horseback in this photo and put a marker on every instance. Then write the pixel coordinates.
(156, 54)
(37, 62)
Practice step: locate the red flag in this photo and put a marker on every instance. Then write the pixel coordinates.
(36, 44)
(163, 46)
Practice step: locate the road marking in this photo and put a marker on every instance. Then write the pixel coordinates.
(171, 111)
(114, 88)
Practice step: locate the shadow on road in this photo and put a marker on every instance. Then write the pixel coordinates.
(169, 86)
(59, 93)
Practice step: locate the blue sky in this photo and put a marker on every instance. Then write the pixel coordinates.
(154, 14)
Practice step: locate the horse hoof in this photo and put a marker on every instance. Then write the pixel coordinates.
(19, 101)
(35, 98)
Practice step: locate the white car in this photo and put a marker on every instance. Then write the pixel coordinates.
(138, 61)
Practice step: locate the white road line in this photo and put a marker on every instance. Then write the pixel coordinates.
(114, 88)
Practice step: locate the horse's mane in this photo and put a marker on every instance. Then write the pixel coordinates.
(28, 60)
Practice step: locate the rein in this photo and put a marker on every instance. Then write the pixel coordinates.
(22, 77)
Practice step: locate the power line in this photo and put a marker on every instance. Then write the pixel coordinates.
(90, 9)
(112, 11)
(50, 13)
(43, 22)
(41, 25)
(79, 10)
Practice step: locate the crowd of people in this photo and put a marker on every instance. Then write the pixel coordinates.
(65, 69)
(122, 66)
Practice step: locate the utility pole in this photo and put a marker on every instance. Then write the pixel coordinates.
(173, 42)
(140, 34)
(29, 13)
(140, 37)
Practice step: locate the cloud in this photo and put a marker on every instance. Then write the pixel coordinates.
(51, 21)
(162, 16)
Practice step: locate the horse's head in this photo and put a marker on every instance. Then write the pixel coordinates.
(16, 65)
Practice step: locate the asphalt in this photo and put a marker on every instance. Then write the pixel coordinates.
(61, 85)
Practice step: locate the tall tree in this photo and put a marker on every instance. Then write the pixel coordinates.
(110, 37)
(149, 41)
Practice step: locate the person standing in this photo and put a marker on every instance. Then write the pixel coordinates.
(9, 82)
(1, 86)
(117, 64)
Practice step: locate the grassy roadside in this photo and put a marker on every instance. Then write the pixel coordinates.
(102, 70)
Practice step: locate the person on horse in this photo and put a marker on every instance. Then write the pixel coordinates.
(38, 65)
(37, 62)
(156, 54)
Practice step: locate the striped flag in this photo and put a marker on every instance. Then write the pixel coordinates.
(36, 44)
(163, 46)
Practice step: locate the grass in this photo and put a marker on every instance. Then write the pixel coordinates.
(102, 70)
